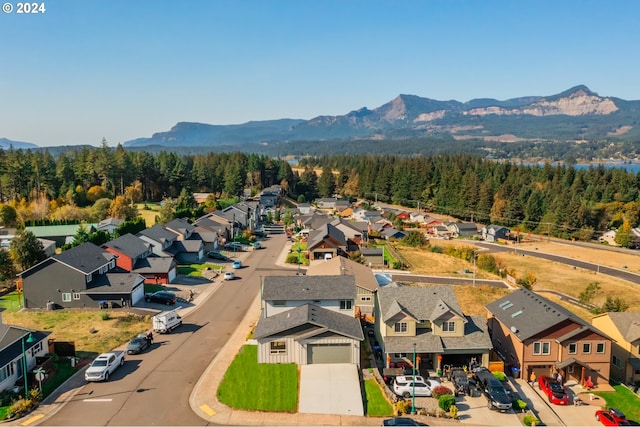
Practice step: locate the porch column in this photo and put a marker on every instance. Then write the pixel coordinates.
(439, 359)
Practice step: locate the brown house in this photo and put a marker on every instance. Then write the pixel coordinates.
(533, 334)
(326, 242)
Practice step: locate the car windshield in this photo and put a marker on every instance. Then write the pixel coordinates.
(556, 388)
(99, 363)
(137, 341)
(499, 391)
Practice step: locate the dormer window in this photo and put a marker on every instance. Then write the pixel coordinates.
(449, 326)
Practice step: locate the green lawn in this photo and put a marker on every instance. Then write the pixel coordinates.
(376, 404)
(11, 301)
(259, 387)
(624, 400)
(389, 260)
(194, 270)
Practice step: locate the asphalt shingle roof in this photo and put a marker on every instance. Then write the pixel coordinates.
(628, 323)
(180, 225)
(327, 230)
(341, 266)
(159, 234)
(322, 319)
(301, 288)
(419, 302)
(86, 257)
(154, 264)
(129, 245)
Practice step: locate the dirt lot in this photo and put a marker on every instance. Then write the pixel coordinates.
(550, 275)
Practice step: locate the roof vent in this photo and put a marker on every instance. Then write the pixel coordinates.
(502, 304)
(517, 313)
(514, 329)
(508, 305)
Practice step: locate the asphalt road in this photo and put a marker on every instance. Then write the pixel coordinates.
(154, 388)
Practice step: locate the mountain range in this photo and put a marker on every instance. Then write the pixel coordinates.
(577, 114)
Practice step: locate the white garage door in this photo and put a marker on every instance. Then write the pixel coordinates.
(328, 353)
(172, 275)
(137, 294)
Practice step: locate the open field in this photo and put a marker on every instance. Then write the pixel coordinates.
(423, 261)
(149, 214)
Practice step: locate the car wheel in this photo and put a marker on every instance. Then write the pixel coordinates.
(489, 405)
(147, 299)
(122, 361)
(106, 376)
(406, 395)
(168, 303)
(597, 417)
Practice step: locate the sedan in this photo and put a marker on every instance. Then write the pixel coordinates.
(612, 418)
(401, 421)
(237, 264)
(162, 297)
(217, 255)
(555, 392)
(229, 275)
(138, 344)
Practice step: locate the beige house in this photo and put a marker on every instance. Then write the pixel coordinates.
(624, 328)
(366, 283)
(534, 334)
(426, 322)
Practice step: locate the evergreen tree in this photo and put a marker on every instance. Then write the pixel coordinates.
(26, 250)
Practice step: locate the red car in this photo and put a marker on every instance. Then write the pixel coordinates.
(612, 417)
(556, 393)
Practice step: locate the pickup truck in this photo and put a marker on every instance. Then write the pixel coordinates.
(104, 365)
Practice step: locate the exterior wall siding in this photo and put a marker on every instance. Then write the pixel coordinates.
(390, 330)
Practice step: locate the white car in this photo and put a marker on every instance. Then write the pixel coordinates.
(406, 385)
(229, 275)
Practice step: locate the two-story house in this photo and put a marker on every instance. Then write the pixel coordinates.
(82, 276)
(427, 322)
(494, 233)
(534, 334)
(624, 328)
(160, 239)
(326, 241)
(308, 320)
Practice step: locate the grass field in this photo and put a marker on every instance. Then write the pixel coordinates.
(195, 270)
(148, 211)
(266, 386)
(376, 404)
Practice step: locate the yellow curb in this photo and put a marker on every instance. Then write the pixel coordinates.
(208, 410)
(32, 419)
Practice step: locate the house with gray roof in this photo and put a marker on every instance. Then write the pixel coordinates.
(534, 334)
(426, 321)
(463, 230)
(82, 276)
(494, 233)
(624, 329)
(308, 319)
(366, 283)
(109, 225)
(326, 241)
(392, 233)
(159, 238)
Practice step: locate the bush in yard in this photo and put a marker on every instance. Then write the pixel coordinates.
(500, 376)
(292, 259)
(519, 404)
(441, 391)
(445, 402)
(401, 407)
(530, 420)
(415, 239)
(453, 411)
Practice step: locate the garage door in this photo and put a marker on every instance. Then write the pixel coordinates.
(328, 353)
(137, 294)
(172, 274)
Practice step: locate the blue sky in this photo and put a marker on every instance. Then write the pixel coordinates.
(88, 69)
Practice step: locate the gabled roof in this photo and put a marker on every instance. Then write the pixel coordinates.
(390, 232)
(115, 222)
(159, 234)
(309, 315)
(212, 222)
(396, 308)
(85, 258)
(303, 288)
(529, 314)
(154, 264)
(370, 252)
(114, 283)
(441, 308)
(496, 227)
(187, 246)
(129, 245)
(341, 266)
(327, 230)
(420, 302)
(627, 322)
(11, 342)
(180, 225)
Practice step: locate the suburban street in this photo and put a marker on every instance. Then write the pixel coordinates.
(154, 388)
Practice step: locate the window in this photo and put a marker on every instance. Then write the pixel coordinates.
(600, 347)
(36, 349)
(6, 372)
(366, 299)
(278, 347)
(76, 296)
(66, 297)
(541, 347)
(279, 303)
(570, 369)
(401, 327)
(346, 304)
(448, 326)
(617, 362)
(586, 348)
(573, 348)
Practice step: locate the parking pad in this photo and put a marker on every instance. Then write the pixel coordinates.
(332, 388)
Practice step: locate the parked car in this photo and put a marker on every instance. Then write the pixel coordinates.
(406, 385)
(237, 264)
(497, 396)
(138, 344)
(162, 297)
(401, 421)
(460, 380)
(237, 246)
(555, 392)
(612, 417)
(256, 245)
(229, 275)
(217, 255)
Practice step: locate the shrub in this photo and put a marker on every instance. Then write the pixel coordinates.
(105, 316)
(440, 391)
(415, 239)
(402, 408)
(7, 397)
(436, 249)
(500, 376)
(530, 419)
(445, 401)
(519, 404)
(292, 259)
(453, 411)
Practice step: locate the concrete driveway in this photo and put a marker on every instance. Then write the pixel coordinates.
(330, 389)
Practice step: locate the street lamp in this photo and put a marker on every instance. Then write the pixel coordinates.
(413, 391)
(299, 250)
(30, 339)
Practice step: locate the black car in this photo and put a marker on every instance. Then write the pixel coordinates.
(138, 344)
(401, 421)
(217, 255)
(162, 297)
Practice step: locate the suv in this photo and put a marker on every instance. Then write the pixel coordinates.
(406, 385)
(162, 297)
(497, 396)
(217, 255)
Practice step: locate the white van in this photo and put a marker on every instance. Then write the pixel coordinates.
(327, 257)
(166, 321)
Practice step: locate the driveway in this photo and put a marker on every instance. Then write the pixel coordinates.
(330, 389)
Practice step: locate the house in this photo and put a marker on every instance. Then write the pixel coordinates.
(13, 340)
(135, 254)
(366, 215)
(82, 276)
(326, 203)
(270, 196)
(6, 236)
(109, 225)
(403, 216)
(373, 256)
(346, 212)
(307, 320)
(534, 334)
(304, 208)
(494, 233)
(392, 234)
(354, 231)
(327, 241)
(61, 234)
(417, 218)
(188, 248)
(366, 283)
(426, 321)
(624, 328)
(464, 230)
(213, 230)
(159, 238)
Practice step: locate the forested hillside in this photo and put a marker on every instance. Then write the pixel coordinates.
(561, 200)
